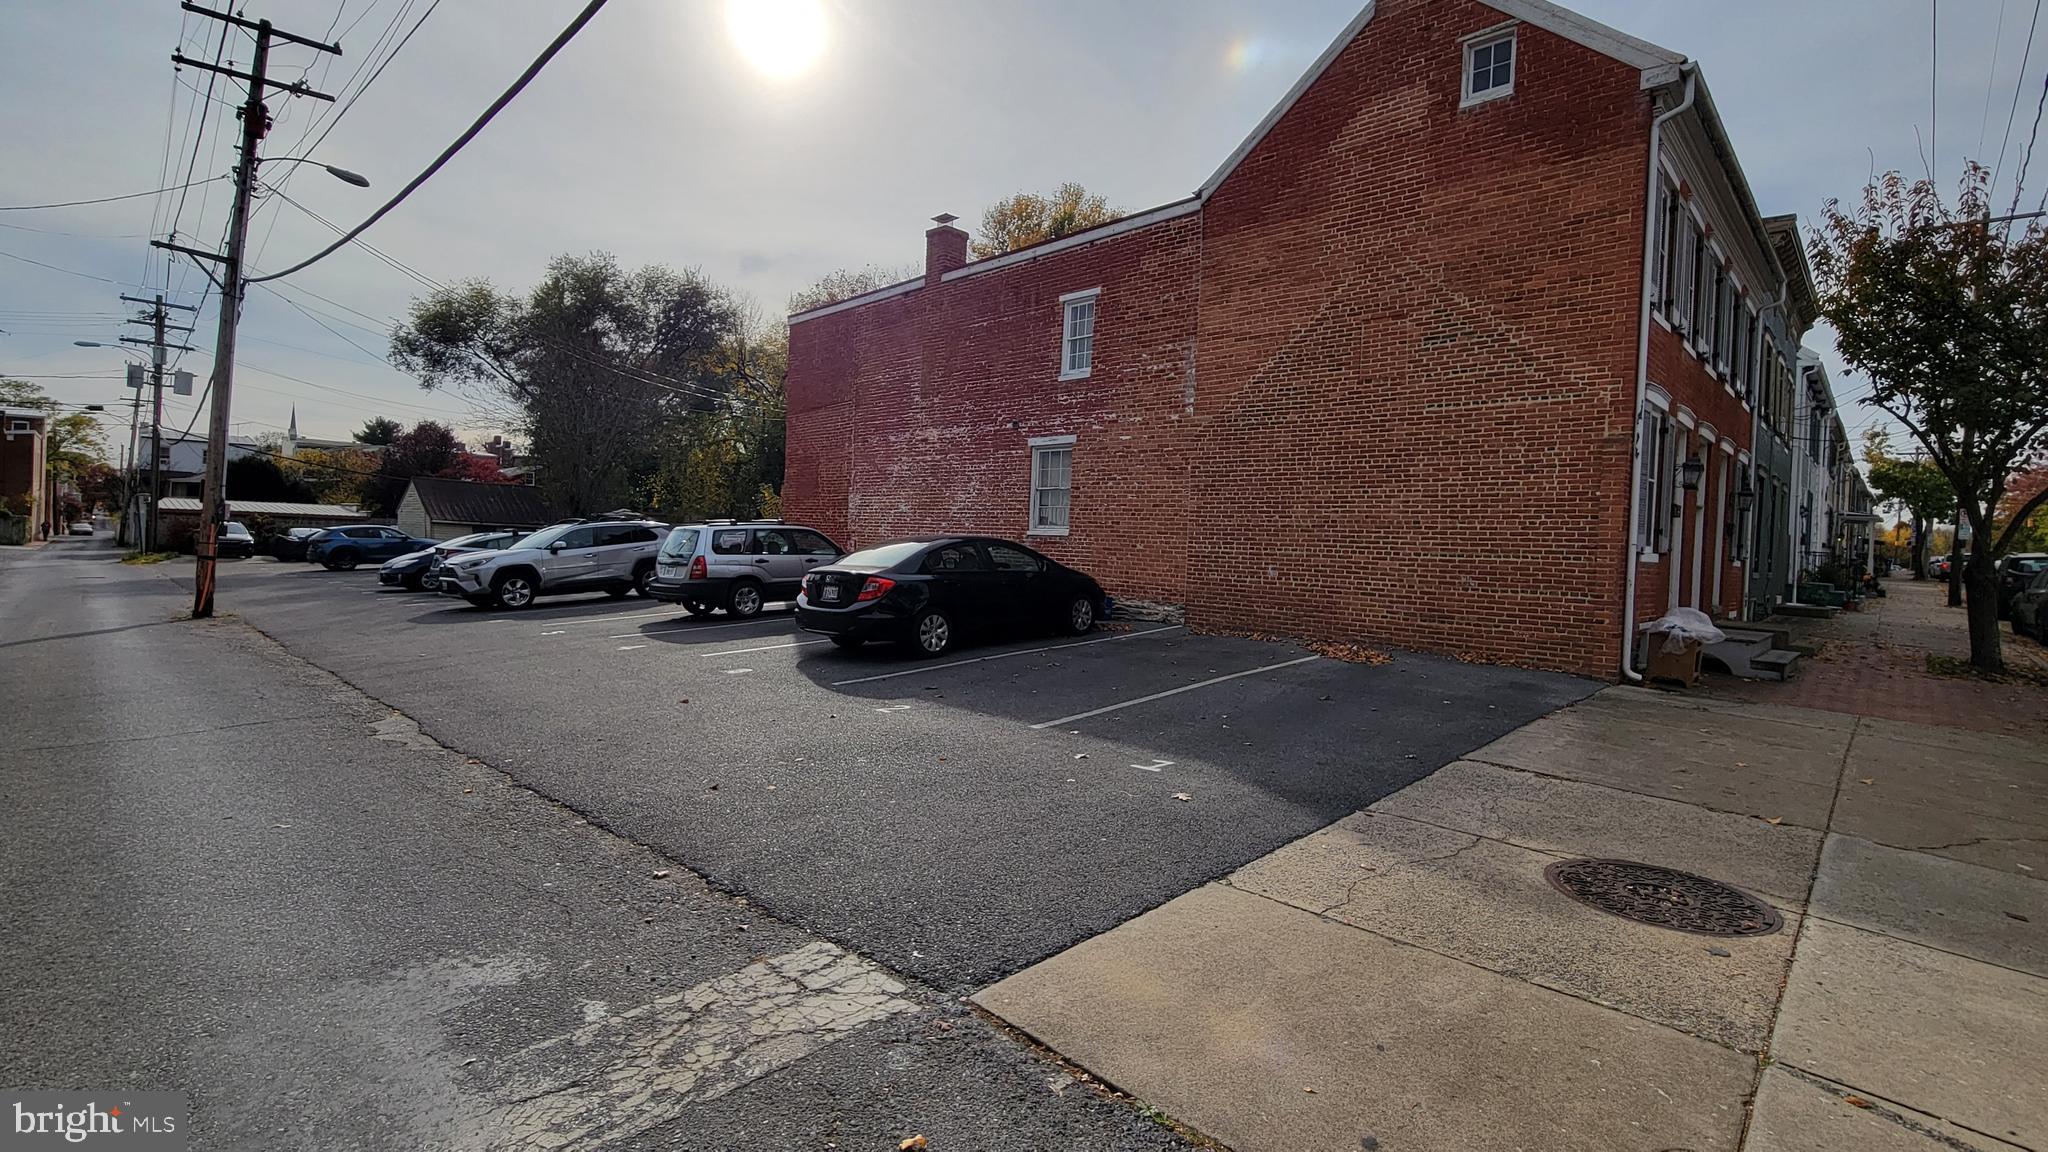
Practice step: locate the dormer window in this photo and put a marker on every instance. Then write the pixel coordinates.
(1489, 67)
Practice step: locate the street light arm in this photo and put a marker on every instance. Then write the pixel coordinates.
(341, 174)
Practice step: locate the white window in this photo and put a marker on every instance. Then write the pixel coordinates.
(1653, 514)
(1077, 339)
(1052, 483)
(1489, 67)
(17, 426)
(1668, 224)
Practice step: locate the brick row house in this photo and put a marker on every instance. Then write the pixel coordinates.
(1458, 351)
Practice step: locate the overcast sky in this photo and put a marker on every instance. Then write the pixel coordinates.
(658, 136)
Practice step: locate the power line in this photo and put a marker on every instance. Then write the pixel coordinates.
(2019, 86)
(107, 199)
(70, 271)
(2019, 185)
(518, 86)
(1991, 78)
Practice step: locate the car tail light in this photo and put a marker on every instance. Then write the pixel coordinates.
(876, 588)
(697, 568)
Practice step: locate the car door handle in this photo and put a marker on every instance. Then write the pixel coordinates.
(761, 561)
(814, 559)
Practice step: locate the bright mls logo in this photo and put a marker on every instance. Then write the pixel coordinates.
(132, 1120)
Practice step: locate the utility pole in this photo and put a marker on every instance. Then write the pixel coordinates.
(255, 125)
(159, 324)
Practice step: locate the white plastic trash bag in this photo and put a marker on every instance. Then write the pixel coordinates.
(1682, 626)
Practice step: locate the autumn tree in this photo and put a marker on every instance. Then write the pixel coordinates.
(1946, 312)
(1028, 218)
(1916, 485)
(428, 448)
(73, 441)
(335, 475)
(842, 284)
(597, 361)
(378, 431)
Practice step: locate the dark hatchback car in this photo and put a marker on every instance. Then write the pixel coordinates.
(290, 544)
(343, 549)
(2015, 572)
(930, 593)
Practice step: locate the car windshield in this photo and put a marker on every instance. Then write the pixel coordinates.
(235, 528)
(886, 556)
(471, 540)
(2028, 565)
(680, 542)
(544, 537)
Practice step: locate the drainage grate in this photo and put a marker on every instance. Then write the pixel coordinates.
(1663, 897)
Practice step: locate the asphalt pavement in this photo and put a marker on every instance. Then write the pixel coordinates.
(233, 874)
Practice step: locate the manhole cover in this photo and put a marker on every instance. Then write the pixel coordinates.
(1664, 897)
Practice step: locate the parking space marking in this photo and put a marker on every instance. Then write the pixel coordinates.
(920, 670)
(608, 618)
(1174, 692)
(701, 627)
(1155, 766)
(631, 647)
(737, 671)
(895, 708)
(556, 633)
(765, 648)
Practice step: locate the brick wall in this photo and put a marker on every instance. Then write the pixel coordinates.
(1685, 376)
(914, 414)
(1431, 313)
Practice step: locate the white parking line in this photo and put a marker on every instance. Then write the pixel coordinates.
(1154, 766)
(920, 670)
(766, 648)
(555, 633)
(702, 627)
(631, 647)
(608, 618)
(1173, 692)
(737, 671)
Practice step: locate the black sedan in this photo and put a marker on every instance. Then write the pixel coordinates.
(417, 571)
(929, 592)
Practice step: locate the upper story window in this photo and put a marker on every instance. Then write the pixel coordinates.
(1489, 67)
(1668, 231)
(1077, 334)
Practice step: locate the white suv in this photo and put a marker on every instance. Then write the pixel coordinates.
(610, 556)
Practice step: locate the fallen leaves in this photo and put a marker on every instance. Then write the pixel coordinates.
(1774, 819)
(661, 874)
(1182, 797)
(917, 1141)
(1349, 653)
(1856, 1101)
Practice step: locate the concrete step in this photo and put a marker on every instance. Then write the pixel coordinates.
(1808, 611)
(1776, 664)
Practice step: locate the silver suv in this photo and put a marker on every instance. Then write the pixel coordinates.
(737, 565)
(607, 555)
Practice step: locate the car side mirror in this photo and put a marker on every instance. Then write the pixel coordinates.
(557, 546)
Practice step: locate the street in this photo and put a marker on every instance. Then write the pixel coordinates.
(364, 868)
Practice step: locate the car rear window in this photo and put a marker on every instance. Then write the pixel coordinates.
(729, 541)
(886, 556)
(2031, 565)
(680, 542)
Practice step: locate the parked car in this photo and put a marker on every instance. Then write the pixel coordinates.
(81, 528)
(235, 541)
(737, 566)
(2030, 609)
(290, 544)
(342, 549)
(2015, 571)
(615, 556)
(928, 592)
(1937, 568)
(420, 570)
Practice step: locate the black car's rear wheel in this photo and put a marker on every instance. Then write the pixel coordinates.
(744, 600)
(932, 632)
(847, 642)
(342, 560)
(1081, 615)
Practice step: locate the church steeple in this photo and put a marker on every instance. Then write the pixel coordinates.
(294, 432)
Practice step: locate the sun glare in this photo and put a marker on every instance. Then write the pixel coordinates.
(782, 38)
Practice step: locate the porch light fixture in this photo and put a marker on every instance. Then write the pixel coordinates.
(1691, 471)
(1745, 498)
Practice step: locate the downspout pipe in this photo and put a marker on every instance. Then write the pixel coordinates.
(1635, 484)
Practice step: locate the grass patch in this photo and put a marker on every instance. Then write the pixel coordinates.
(148, 557)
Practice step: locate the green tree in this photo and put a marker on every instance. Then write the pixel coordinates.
(252, 478)
(427, 449)
(378, 431)
(1028, 218)
(73, 442)
(1947, 314)
(599, 363)
(1916, 485)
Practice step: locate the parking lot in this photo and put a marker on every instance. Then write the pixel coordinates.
(956, 819)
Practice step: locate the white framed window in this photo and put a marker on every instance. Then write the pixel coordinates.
(17, 426)
(1668, 223)
(1489, 67)
(1077, 334)
(1052, 485)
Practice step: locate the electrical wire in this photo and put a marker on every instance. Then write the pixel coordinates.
(107, 199)
(518, 86)
(2019, 86)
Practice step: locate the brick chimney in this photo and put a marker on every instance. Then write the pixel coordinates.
(945, 248)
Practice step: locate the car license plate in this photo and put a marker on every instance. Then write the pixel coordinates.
(829, 594)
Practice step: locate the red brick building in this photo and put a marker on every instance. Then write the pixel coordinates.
(1381, 377)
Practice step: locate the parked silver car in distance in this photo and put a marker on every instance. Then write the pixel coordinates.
(606, 555)
(737, 565)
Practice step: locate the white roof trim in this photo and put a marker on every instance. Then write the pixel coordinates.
(1286, 104)
(857, 301)
(1684, 416)
(1728, 445)
(1078, 239)
(1589, 33)
(1708, 432)
(1657, 397)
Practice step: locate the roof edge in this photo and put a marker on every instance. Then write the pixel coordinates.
(1117, 227)
(1287, 102)
(1589, 33)
(868, 297)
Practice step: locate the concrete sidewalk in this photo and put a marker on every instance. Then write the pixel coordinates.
(1408, 979)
